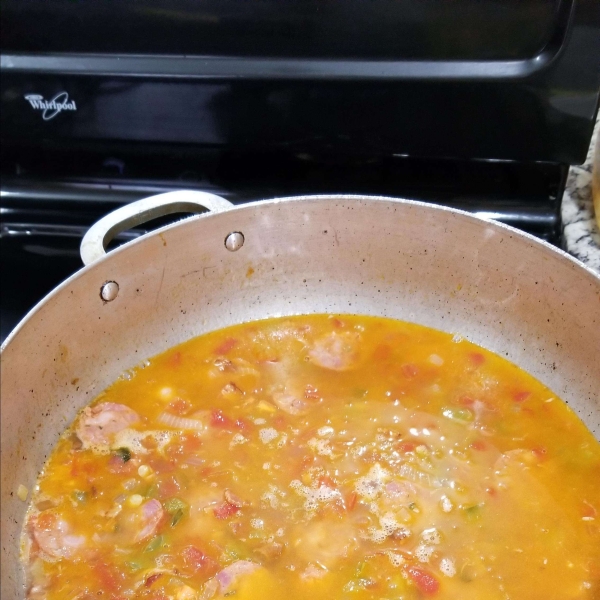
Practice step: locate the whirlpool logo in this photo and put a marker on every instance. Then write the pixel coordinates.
(52, 107)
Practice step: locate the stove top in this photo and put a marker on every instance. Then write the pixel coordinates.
(51, 197)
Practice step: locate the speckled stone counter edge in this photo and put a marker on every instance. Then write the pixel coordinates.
(581, 236)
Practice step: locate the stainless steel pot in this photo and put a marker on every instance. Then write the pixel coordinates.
(439, 267)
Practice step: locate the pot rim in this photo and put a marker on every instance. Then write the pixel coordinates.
(559, 253)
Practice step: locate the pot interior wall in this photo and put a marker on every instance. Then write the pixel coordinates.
(405, 260)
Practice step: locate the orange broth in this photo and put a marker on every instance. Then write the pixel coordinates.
(322, 457)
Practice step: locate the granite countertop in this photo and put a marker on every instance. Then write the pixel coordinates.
(581, 236)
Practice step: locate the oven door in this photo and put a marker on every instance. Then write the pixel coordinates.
(510, 79)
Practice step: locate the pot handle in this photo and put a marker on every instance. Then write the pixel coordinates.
(100, 234)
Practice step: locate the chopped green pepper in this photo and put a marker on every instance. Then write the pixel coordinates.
(79, 496)
(123, 453)
(154, 544)
(176, 508)
(473, 513)
(235, 550)
(460, 415)
(151, 491)
(173, 505)
(177, 516)
(357, 585)
(360, 568)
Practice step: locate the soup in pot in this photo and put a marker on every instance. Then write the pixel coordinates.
(322, 457)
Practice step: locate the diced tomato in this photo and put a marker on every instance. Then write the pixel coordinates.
(327, 482)
(588, 510)
(167, 487)
(197, 561)
(117, 465)
(466, 401)
(160, 464)
(521, 396)
(179, 406)
(476, 358)
(335, 508)
(74, 465)
(382, 352)
(311, 393)
(594, 570)
(306, 462)
(190, 442)
(539, 452)
(236, 527)
(425, 581)
(46, 521)
(108, 576)
(174, 360)
(226, 347)
(302, 465)
(351, 500)
(81, 464)
(477, 445)
(279, 421)
(409, 370)
(225, 510)
(149, 442)
(218, 419)
(406, 446)
(242, 424)
(184, 445)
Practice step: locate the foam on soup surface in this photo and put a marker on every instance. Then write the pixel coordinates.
(320, 457)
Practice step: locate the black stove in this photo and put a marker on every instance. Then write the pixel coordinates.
(475, 104)
(44, 215)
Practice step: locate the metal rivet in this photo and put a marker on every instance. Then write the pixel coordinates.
(234, 241)
(109, 291)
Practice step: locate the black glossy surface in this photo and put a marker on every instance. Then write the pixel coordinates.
(536, 102)
(390, 29)
(425, 119)
(49, 199)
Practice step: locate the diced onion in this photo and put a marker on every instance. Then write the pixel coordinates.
(409, 472)
(22, 492)
(181, 422)
(243, 367)
(195, 460)
(436, 360)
